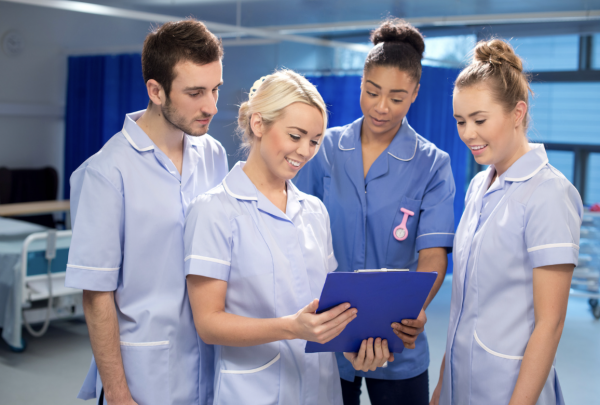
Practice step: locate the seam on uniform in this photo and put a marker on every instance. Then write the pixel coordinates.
(75, 266)
(435, 233)
(553, 245)
(254, 370)
(133, 143)
(145, 344)
(490, 351)
(207, 259)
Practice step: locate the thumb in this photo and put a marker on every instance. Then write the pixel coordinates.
(312, 307)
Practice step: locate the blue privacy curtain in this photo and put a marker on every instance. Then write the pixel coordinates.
(100, 91)
(430, 115)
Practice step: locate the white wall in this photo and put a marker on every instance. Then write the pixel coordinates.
(36, 79)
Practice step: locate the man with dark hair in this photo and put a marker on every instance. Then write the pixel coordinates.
(128, 207)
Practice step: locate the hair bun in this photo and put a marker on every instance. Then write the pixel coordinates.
(398, 30)
(497, 52)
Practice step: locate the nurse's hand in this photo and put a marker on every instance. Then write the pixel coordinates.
(410, 329)
(373, 353)
(320, 328)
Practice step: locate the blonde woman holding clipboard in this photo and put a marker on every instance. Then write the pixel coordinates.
(257, 254)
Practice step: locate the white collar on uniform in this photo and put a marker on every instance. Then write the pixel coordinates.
(528, 165)
(403, 146)
(238, 185)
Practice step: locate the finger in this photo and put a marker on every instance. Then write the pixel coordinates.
(370, 355)
(344, 317)
(414, 323)
(391, 358)
(334, 312)
(360, 358)
(406, 339)
(386, 352)
(408, 330)
(378, 349)
(350, 356)
(311, 307)
(334, 332)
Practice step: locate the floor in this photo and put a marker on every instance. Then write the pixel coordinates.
(52, 368)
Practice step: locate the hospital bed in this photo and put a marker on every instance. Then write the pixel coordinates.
(32, 283)
(586, 277)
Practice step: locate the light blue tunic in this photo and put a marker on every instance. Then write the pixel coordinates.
(274, 264)
(529, 217)
(128, 205)
(412, 174)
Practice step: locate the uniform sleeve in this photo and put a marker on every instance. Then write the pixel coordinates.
(552, 223)
(436, 223)
(208, 239)
(311, 178)
(96, 249)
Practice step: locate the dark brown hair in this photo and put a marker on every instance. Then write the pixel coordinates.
(173, 42)
(496, 64)
(397, 44)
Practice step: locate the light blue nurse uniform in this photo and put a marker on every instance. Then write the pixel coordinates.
(529, 217)
(128, 205)
(411, 173)
(274, 265)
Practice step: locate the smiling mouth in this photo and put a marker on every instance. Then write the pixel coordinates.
(294, 163)
(478, 147)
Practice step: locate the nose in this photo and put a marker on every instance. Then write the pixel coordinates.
(210, 107)
(381, 107)
(304, 148)
(470, 132)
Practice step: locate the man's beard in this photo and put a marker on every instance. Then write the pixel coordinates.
(177, 121)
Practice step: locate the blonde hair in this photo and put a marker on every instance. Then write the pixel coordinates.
(270, 95)
(496, 63)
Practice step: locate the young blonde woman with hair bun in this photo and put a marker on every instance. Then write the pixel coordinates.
(515, 248)
(257, 252)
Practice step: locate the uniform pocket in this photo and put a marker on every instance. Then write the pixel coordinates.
(401, 252)
(257, 386)
(147, 371)
(492, 369)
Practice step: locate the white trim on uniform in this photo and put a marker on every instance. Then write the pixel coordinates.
(207, 259)
(145, 344)
(239, 197)
(93, 268)
(530, 175)
(434, 233)
(340, 142)
(553, 245)
(414, 153)
(330, 256)
(126, 135)
(254, 370)
(490, 351)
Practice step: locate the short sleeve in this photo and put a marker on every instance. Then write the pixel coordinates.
(552, 223)
(95, 253)
(436, 223)
(208, 239)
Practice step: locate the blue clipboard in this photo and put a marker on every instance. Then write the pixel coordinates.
(381, 297)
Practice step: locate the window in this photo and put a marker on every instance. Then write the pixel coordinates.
(448, 51)
(592, 181)
(564, 161)
(549, 53)
(566, 113)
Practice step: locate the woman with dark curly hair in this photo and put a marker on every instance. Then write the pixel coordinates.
(389, 193)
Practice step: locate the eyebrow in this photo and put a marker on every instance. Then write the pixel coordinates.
(391, 91)
(472, 114)
(200, 87)
(300, 129)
